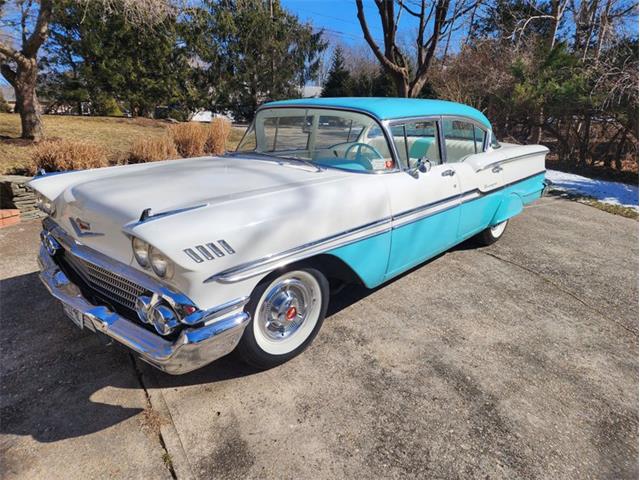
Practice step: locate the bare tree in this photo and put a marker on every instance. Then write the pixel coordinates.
(434, 22)
(19, 66)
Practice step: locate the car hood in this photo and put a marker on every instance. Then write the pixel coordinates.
(106, 200)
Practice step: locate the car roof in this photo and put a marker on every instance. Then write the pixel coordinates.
(388, 108)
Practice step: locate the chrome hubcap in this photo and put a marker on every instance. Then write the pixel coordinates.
(285, 308)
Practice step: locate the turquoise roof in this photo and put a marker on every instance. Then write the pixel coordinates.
(386, 108)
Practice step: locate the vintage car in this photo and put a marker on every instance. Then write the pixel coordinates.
(184, 261)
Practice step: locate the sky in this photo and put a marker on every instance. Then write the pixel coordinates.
(338, 18)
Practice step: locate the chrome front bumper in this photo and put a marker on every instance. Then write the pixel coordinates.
(194, 347)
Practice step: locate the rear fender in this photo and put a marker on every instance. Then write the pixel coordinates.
(510, 206)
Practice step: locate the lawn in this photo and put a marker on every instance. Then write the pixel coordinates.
(115, 134)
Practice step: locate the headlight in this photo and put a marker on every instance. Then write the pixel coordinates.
(162, 266)
(140, 251)
(44, 204)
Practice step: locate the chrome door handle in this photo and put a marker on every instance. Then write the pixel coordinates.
(448, 173)
(496, 169)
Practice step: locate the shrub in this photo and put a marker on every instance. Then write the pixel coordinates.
(63, 155)
(217, 135)
(189, 138)
(152, 150)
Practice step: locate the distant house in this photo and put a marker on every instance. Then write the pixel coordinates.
(311, 91)
(9, 96)
(208, 115)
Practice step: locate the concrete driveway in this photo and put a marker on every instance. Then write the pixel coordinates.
(519, 360)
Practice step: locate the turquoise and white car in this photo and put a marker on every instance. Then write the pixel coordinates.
(184, 261)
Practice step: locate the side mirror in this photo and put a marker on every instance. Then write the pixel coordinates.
(423, 165)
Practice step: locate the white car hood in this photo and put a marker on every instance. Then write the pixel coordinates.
(109, 199)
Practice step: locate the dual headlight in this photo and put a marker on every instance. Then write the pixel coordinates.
(149, 256)
(44, 204)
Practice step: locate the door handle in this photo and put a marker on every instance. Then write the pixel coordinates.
(496, 169)
(448, 173)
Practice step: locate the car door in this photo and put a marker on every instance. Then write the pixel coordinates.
(463, 141)
(424, 204)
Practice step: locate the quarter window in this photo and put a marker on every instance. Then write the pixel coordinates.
(479, 135)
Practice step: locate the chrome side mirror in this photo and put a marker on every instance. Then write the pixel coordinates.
(423, 165)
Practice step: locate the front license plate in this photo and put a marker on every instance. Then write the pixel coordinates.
(73, 314)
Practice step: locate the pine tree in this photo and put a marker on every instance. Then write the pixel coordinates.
(338, 82)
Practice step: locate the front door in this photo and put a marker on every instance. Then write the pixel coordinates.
(425, 206)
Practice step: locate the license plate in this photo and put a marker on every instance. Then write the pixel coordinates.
(73, 314)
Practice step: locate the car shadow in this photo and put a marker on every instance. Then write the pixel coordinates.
(60, 382)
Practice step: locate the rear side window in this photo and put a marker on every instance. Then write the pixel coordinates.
(461, 139)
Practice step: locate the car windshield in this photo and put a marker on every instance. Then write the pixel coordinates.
(325, 137)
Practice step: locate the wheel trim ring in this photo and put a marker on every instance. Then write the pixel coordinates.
(498, 230)
(300, 329)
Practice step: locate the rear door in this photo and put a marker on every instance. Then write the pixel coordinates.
(463, 140)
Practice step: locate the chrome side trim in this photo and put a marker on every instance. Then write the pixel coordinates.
(512, 159)
(274, 261)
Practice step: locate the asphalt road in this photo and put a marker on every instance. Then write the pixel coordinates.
(519, 360)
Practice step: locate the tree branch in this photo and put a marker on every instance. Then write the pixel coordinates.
(39, 35)
(387, 63)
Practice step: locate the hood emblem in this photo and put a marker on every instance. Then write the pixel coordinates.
(83, 228)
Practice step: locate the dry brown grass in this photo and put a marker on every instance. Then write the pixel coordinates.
(152, 150)
(115, 135)
(190, 139)
(217, 136)
(63, 155)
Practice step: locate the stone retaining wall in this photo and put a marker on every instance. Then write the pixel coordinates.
(15, 194)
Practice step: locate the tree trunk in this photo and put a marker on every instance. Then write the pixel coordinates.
(27, 100)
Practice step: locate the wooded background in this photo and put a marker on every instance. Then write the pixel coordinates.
(559, 72)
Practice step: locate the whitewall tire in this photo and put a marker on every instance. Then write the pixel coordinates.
(492, 234)
(287, 310)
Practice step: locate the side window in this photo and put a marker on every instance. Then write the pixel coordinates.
(459, 139)
(415, 140)
(479, 135)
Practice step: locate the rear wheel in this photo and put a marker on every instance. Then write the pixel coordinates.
(492, 234)
(287, 310)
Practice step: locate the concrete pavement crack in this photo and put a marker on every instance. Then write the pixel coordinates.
(166, 456)
(563, 290)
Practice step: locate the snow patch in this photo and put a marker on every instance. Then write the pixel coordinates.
(613, 193)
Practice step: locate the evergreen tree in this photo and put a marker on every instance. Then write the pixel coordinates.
(251, 51)
(339, 82)
(111, 63)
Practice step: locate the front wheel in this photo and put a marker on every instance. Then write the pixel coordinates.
(287, 310)
(492, 234)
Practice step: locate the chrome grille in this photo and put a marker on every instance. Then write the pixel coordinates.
(106, 283)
